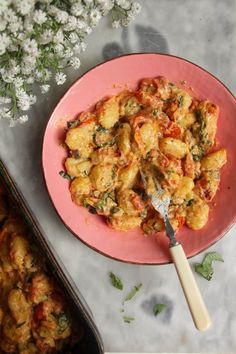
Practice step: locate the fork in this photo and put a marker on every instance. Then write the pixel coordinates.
(190, 288)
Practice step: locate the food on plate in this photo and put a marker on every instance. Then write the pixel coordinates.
(34, 314)
(159, 129)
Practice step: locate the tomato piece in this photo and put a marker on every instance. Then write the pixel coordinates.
(163, 160)
(137, 202)
(181, 221)
(173, 131)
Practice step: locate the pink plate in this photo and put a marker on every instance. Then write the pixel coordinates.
(108, 79)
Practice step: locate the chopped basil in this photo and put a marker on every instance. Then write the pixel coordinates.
(20, 324)
(181, 101)
(73, 124)
(190, 202)
(116, 281)
(158, 308)
(66, 175)
(100, 132)
(196, 157)
(133, 292)
(128, 319)
(92, 210)
(205, 268)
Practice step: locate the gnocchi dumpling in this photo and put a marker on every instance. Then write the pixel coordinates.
(109, 113)
(173, 147)
(197, 215)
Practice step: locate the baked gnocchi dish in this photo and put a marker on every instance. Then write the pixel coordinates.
(34, 316)
(159, 129)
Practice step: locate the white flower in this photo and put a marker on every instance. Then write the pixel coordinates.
(31, 47)
(4, 42)
(126, 21)
(88, 30)
(71, 24)
(12, 122)
(6, 113)
(10, 16)
(125, 4)
(5, 100)
(46, 36)
(59, 48)
(18, 82)
(60, 78)
(32, 99)
(95, 16)
(40, 17)
(116, 24)
(28, 23)
(44, 88)
(77, 9)
(83, 46)
(4, 5)
(73, 37)
(75, 63)
(23, 100)
(68, 53)
(3, 24)
(61, 16)
(136, 7)
(58, 37)
(81, 24)
(24, 6)
(30, 80)
(23, 119)
(15, 26)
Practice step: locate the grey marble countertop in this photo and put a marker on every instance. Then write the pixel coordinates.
(204, 32)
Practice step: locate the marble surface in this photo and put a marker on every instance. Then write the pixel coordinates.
(204, 32)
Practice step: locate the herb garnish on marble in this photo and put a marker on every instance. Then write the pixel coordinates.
(116, 281)
(128, 319)
(205, 268)
(158, 308)
(133, 292)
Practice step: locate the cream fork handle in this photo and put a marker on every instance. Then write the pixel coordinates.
(192, 294)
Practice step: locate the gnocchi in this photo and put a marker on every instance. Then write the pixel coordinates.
(34, 317)
(159, 129)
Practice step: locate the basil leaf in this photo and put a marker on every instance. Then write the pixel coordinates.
(158, 308)
(128, 319)
(133, 292)
(66, 175)
(116, 281)
(205, 268)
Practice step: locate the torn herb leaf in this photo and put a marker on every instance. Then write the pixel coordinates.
(116, 281)
(181, 101)
(66, 175)
(128, 319)
(205, 268)
(133, 292)
(158, 308)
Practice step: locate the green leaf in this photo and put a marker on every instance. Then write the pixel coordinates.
(181, 101)
(158, 308)
(133, 292)
(205, 268)
(66, 175)
(128, 319)
(116, 281)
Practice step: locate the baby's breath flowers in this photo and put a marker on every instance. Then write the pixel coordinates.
(40, 38)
